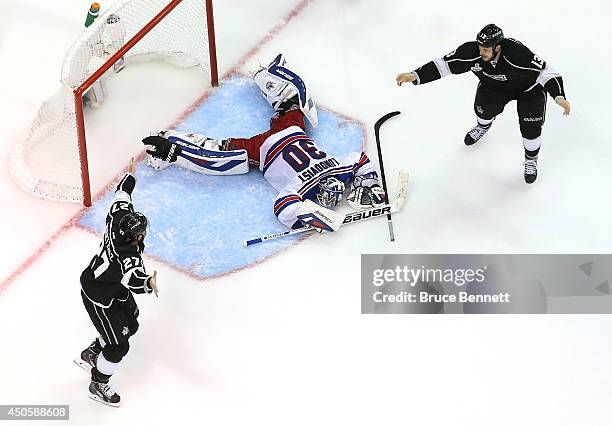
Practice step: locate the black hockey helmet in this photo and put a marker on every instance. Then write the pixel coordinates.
(490, 36)
(132, 225)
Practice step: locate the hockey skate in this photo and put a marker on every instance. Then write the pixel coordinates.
(476, 134)
(531, 169)
(102, 392)
(88, 358)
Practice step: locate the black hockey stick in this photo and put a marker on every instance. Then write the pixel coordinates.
(377, 125)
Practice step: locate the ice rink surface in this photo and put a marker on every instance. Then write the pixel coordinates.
(283, 342)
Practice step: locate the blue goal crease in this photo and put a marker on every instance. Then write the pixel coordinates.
(199, 222)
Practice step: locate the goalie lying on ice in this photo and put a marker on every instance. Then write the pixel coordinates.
(310, 182)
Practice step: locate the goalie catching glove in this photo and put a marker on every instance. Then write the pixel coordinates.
(161, 148)
(366, 192)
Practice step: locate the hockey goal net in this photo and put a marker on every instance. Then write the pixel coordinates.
(52, 163)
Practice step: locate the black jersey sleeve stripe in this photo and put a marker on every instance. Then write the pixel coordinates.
(442, 66)
(554, 87)
(136, 280)
(552, 81)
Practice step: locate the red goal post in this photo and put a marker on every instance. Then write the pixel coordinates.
(180, 32)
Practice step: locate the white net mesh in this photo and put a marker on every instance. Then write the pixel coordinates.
(47, 163)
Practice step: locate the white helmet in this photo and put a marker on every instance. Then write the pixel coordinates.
(329, 192)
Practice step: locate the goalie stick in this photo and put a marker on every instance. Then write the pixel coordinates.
(377, 125)
(359, 216)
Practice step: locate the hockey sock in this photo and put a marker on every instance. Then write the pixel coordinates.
(532, 155)
(485, 124)
(105, 368)
(532, 147)
(96, 376)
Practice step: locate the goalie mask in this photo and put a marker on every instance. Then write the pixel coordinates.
(329, 192)
(279, 84)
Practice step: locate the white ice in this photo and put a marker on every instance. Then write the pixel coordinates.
(269, 346)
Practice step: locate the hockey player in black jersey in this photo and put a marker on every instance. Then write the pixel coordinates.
(107, 285)
(507, 71)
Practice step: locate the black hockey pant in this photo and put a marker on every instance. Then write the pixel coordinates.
(531, 108)
(116, 324)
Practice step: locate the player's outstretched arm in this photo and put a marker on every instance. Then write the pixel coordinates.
(458, 61)
(123, 192)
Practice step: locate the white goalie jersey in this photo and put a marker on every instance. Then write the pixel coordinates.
(289, 160)
(294, 166)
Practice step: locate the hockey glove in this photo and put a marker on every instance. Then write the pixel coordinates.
(366, 192)
(368, 180)
(363, 198)
(161, 148)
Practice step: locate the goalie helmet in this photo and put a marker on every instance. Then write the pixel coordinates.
(329, 192)
(132, 225)
(279, 84)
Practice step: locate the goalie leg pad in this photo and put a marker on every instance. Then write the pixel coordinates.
(188, 151)
(192, 140)
(279, 84)
(274, 89)
(195, 140)
(218, 163)
(156, 163)
(195, 152)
